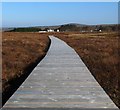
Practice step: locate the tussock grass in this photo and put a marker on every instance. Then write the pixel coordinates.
(100, 52)
(20, 54)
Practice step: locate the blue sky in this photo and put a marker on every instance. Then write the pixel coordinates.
(21, 14)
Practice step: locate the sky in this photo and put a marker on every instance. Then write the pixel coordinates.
(24, 14)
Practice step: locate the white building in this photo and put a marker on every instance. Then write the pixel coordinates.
(91, 30)
(50, 30)
(42, 31)
(58, 30)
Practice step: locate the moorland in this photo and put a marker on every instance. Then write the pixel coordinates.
(22, 51)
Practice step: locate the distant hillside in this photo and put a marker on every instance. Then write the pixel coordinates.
(6, 29)
(67, 28)
(50, 27)
(83, 28)
(29, 29)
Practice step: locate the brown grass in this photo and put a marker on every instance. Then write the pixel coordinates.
(20, 53)
(100, 52)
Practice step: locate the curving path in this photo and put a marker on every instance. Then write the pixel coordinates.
(60, 80)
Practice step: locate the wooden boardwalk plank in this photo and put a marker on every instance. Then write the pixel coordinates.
(61, 79)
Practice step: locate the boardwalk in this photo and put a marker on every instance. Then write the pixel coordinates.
(60, 80)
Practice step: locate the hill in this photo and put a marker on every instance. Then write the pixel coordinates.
(88, 28)
(68, 28)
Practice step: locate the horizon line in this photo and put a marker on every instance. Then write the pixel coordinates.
(57, 25)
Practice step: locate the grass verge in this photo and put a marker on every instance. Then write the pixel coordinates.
(100, 52)
(21, 52)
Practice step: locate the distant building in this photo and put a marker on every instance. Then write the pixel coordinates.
(91, 30)
(50, 30)
(42, 31)
(83, 31)
(98, 30)
(58, 30)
